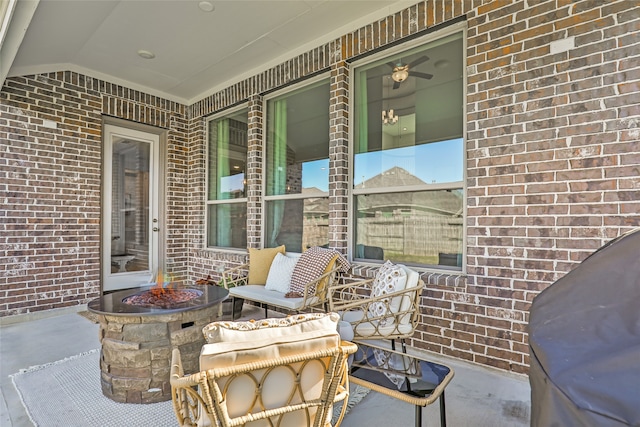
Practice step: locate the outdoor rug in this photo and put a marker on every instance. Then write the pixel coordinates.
(67, 393)
(356, 394)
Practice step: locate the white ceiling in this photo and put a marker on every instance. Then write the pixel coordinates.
(197, 52)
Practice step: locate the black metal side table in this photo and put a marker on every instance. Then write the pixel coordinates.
(405, 377)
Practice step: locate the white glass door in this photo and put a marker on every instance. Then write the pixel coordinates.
(131, 222)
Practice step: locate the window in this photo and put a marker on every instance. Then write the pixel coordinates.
(408, 169)
(226, 181)
(297, 168)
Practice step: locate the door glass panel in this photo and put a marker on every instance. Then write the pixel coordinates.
(130, 206)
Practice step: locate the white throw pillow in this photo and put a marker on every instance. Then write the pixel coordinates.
(279, 278)
(389, 278)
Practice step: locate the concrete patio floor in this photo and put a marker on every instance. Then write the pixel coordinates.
(477, 396)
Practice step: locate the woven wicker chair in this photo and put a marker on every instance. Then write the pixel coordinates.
(285, 372)
(244, 394)
(393, 315)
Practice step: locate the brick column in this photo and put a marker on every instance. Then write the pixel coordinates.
(254, 172)
(339, 157)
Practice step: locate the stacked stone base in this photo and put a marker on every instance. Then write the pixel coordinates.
(136, 352)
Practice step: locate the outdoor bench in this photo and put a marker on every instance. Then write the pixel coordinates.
(314, 295)
(293, 282)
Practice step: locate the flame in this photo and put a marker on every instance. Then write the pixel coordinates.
(164, 285)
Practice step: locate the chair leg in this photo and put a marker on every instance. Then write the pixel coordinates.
(402, 342)
(418, 416)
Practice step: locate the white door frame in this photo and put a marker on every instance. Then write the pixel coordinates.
(114, 280)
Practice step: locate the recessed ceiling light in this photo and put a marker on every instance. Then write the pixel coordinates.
(206, 6)
(146, 54)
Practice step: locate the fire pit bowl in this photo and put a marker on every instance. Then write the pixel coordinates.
(160, 297)
(137, 340)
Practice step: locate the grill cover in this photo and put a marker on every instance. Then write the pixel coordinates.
(584, 341)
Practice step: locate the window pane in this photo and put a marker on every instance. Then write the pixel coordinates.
(413, 228)
(227, 225)
(409, 117)
(228, 157)
(298, 224)
(437, 162)
(297, 156)
(131, 163)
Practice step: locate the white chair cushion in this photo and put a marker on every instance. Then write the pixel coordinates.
(280, 384)
(279, 278)
(389, 278)
(273, 328)
(413, 277)
(224, 354)
(368, 329)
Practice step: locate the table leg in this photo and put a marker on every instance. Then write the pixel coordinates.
(418, 416)
(443, 413)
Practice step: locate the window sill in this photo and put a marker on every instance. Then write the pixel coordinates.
(430, 276)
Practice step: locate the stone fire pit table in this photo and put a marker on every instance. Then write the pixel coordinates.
(137, 341)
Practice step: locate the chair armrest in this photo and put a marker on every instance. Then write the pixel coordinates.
(318, 287)
(188, 404)
(235, 276)
(352, 283)
(394, 314)
(351, 291)
(363, 301)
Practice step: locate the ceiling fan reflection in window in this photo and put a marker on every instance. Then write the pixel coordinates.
(403, 71)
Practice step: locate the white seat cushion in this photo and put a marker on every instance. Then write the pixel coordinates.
(231, 343)
(365, 329)
(274, 298)
(273, 328)
(224, 354)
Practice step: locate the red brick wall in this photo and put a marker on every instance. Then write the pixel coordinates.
(553, 164)
(50, 185)
(50, 193)
(553, 155)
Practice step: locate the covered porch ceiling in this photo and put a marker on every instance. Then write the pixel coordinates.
(199, 47)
